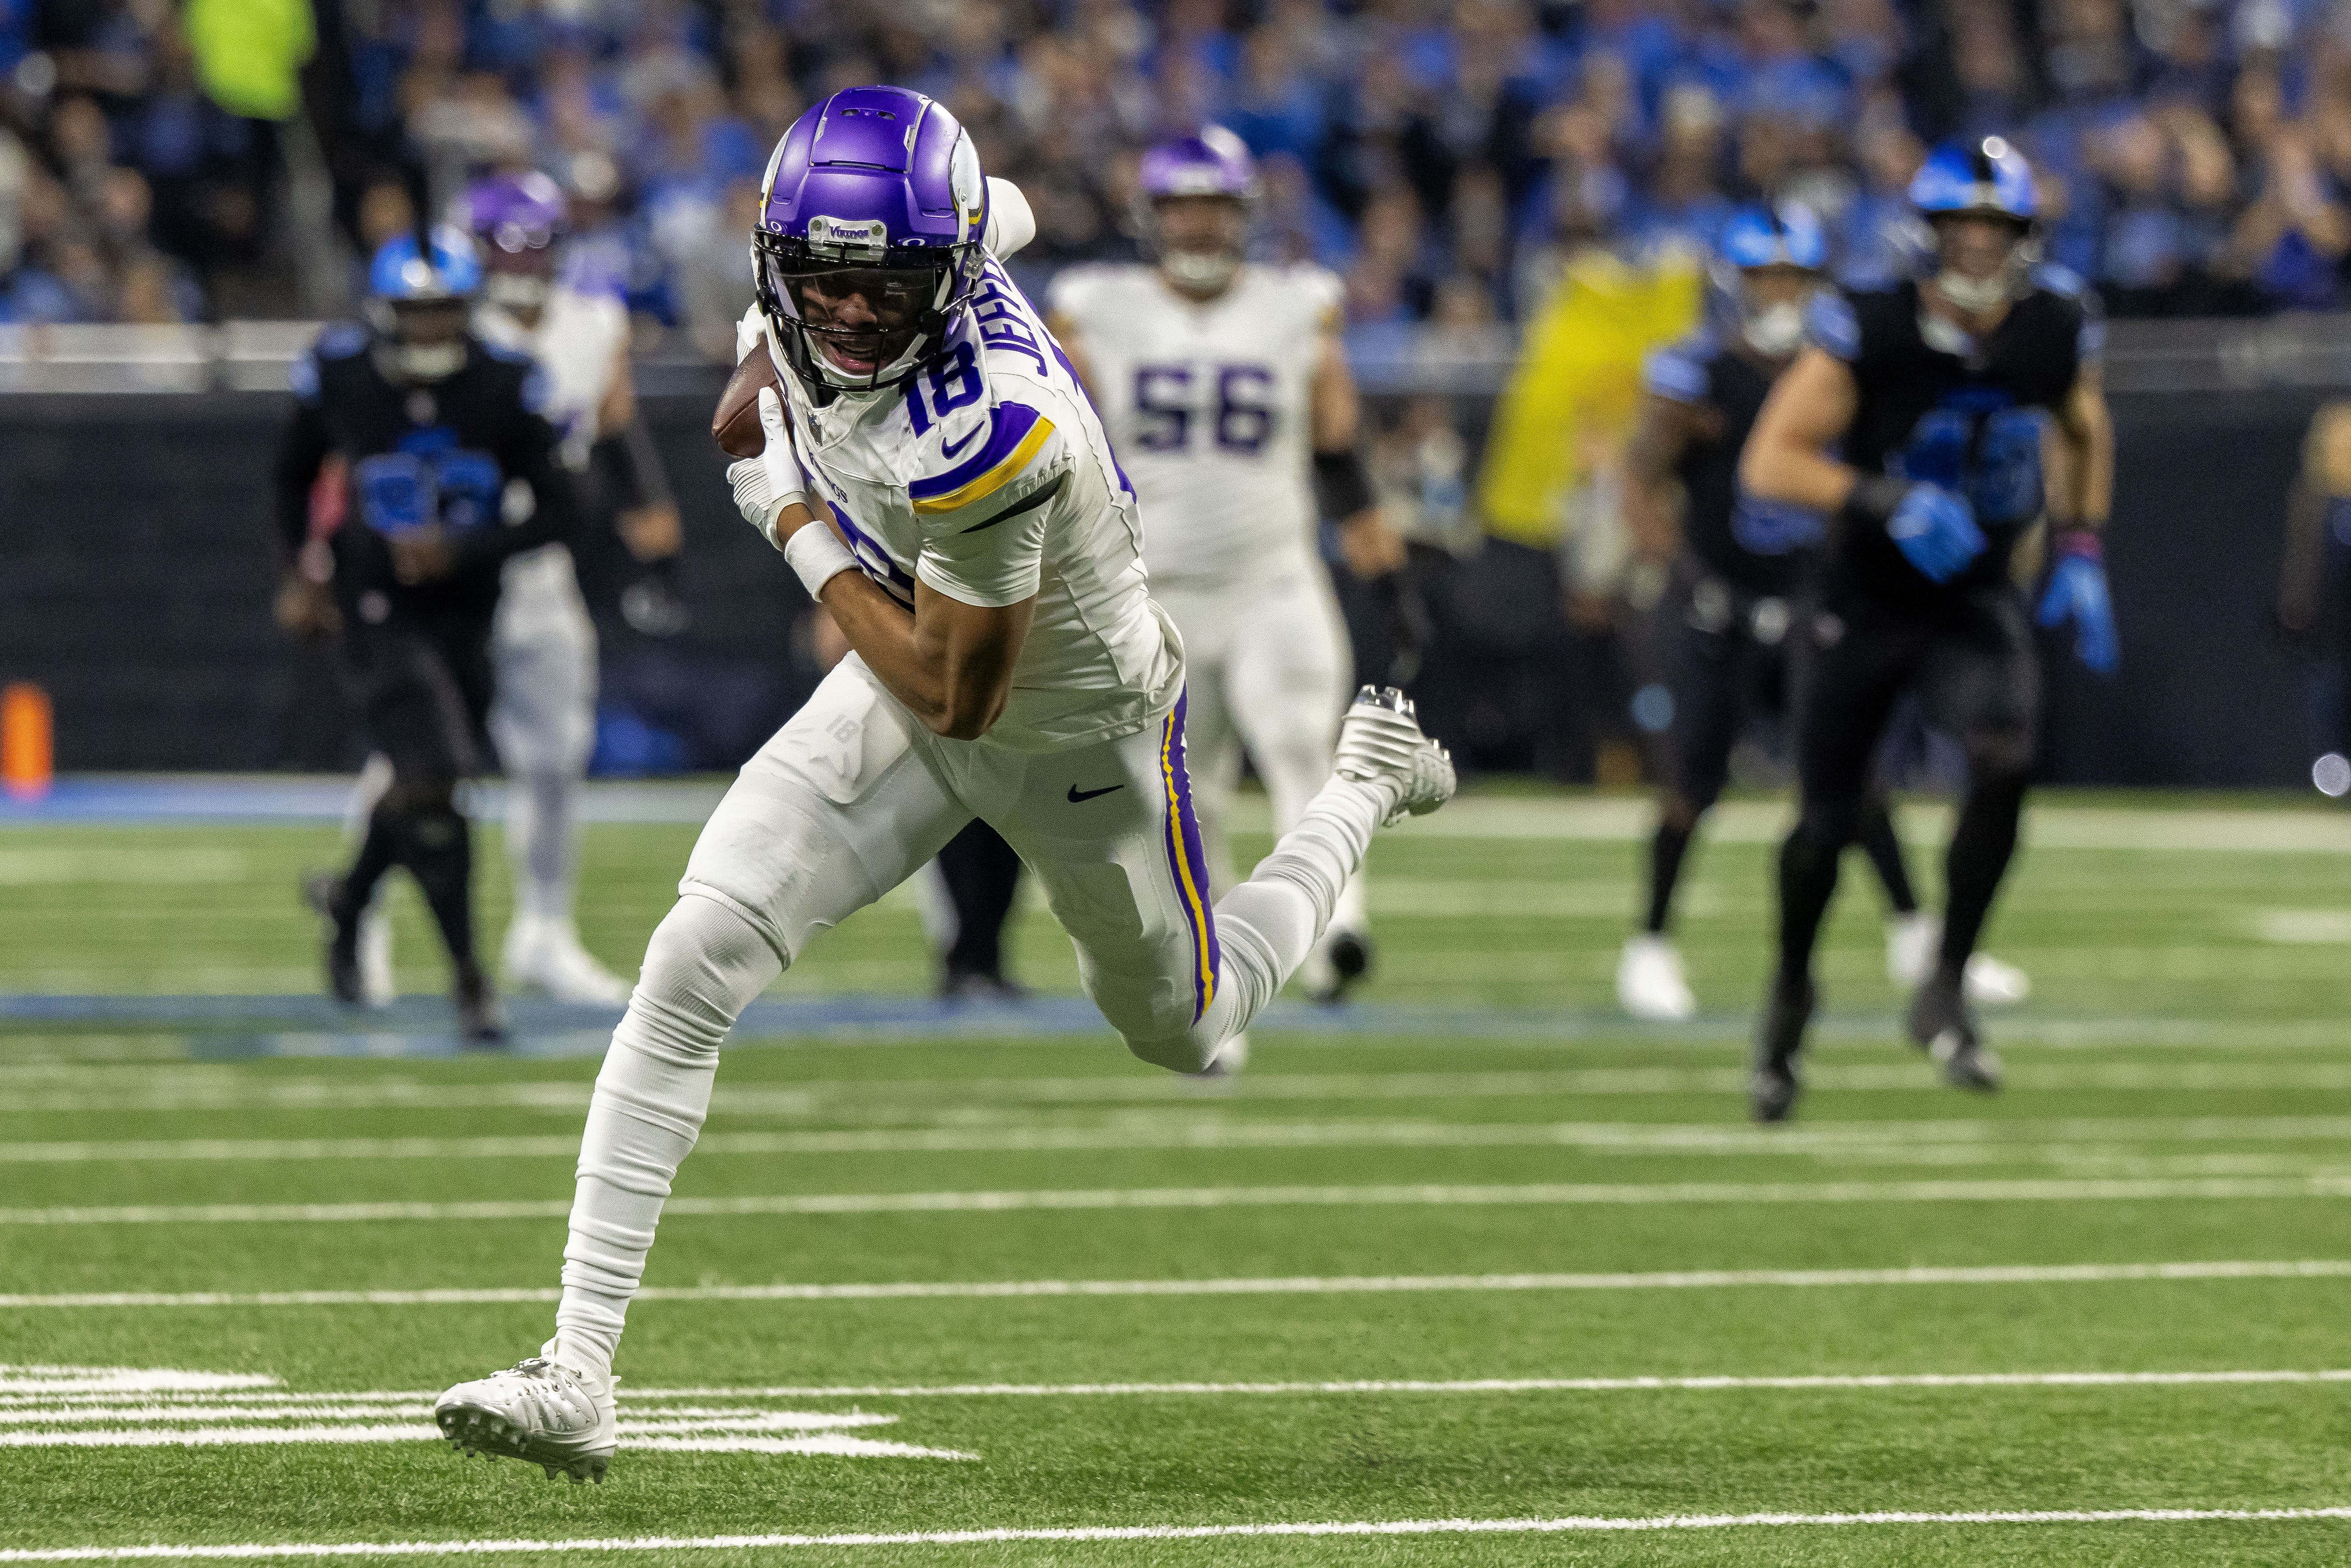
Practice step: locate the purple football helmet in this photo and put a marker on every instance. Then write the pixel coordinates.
(1215, 162)
(516, 220)
(868, 247)
(1213, 174)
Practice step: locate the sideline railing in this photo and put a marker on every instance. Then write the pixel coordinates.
(2198, 356)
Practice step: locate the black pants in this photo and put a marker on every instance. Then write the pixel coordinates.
(1727, 668)
(983, 878)
(1968, 659)
(424, 690)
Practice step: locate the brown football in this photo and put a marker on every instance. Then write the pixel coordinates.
(736, 425)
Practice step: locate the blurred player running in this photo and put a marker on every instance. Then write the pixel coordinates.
(1936, 393)
(1738, 573)
(1225, 389)
(1008, 663)
(543, 718)
(398, 504)
(2314, 591)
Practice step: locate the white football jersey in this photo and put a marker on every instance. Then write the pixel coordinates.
(988, 477)
(578, 343)
(1208, 405)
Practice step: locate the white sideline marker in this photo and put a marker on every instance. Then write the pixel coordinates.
(2335, 1185)
(1574, 1524)
(1307, 1285)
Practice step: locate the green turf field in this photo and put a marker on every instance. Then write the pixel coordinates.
(1525, 1291)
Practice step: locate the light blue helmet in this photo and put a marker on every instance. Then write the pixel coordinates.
(1787, 235)
(1988, 177)
(400, 274)
(404, 281)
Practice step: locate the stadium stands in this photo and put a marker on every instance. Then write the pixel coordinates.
(157, 168)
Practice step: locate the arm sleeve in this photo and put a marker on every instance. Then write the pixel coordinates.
(302, 450)
(983, 520)
(629, 466)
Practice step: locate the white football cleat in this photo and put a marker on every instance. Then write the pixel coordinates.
(1230, 1058)
(1992, 984)
(1910, 944)
(545, 955)
(378, 988)
(1650, 982)
(1380, 742)
(539, 1411)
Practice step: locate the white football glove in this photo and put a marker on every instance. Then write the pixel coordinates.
(764, 486)
(750, 332)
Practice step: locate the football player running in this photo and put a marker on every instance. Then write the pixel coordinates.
(416, 465)
(1738, 574)
(543, 645)
(1936, 392)
(1008, 663)
(1225, 389)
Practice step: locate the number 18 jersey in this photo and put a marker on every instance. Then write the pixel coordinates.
(1206, 404)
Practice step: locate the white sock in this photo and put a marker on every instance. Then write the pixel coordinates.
(1269, 923)
(541, 844)
(704, 966)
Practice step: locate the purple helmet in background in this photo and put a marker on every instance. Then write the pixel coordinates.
(515, 219)
(515, 212)
(868, 246)
(1213, 171)
(1215, 162)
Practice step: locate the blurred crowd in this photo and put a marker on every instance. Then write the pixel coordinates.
(218, 158)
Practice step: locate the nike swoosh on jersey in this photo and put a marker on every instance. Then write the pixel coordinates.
(949, 449)
(1077, 796)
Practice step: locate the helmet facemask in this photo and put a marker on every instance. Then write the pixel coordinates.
(1975, 289)
(1200, 240)
(426, 338)
(862, 318)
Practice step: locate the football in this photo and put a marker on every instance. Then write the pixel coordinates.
(735, 424)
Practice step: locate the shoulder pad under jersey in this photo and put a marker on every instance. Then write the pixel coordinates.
(993, 448)
(1831, 324)
(1684, 370)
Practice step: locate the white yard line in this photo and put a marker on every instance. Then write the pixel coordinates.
(569, 1098)
(839, 1445)
(1422, 1194)
(1572, 1524)
(1307, 1285)
(386, 1403)
(1987, 1139)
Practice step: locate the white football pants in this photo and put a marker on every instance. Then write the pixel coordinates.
(543, 718)
(848, 801)
(1269, 670)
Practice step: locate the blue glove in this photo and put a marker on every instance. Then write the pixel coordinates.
(1936, 531)
(2077, 589)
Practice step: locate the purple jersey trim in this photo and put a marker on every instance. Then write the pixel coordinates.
(1008, 424)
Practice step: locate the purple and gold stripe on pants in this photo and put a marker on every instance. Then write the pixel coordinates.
(1186, 860)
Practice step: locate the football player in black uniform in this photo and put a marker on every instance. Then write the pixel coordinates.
(2314, 591)
(416, 464)
(1936, 394)
(1738, 570)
